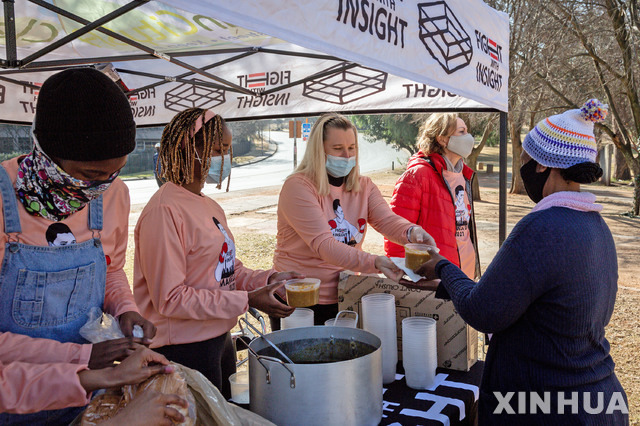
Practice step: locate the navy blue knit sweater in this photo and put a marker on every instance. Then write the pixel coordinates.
(546, 297)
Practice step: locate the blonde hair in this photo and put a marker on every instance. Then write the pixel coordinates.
(178, 146)
(441, 124)
(314, 160)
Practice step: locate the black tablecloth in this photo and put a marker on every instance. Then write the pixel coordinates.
(453, 400)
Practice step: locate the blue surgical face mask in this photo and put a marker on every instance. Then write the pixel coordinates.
(214, 169)
(339, 166)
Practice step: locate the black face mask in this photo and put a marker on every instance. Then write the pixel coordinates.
(534, 181)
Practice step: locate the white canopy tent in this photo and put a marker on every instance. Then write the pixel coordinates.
(251, 59)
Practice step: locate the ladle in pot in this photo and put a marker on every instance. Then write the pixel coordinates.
(259, 333)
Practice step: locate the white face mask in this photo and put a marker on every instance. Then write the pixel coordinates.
(214, 170)
(339, 166)
(461, 145)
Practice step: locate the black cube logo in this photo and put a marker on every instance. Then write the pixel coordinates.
(346, 86)
(443, 36)
(188, 95)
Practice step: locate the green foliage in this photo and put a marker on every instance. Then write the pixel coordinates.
(7, 155)
(398, 130)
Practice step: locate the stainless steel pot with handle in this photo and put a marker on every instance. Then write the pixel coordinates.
(335, 378)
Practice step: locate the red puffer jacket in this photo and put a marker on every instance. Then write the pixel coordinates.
(422, 196)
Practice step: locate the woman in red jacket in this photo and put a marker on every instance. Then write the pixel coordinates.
(435, 192)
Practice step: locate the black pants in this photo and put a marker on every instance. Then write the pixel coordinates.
(321, 313)
(214, 358)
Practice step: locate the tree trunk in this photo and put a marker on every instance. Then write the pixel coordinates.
(622, 171)
(517, 186)
(636, 195)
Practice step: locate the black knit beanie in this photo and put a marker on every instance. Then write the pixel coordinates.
(82, 115)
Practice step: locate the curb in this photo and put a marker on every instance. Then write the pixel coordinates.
(266, 155)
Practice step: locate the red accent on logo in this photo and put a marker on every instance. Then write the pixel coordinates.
(108, 259)
(333, 224)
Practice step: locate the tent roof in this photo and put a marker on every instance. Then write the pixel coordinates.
(339, 55)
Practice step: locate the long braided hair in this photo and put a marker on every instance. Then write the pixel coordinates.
(178, 146)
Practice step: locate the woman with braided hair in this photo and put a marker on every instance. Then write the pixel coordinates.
(187, 278)
(550, 290)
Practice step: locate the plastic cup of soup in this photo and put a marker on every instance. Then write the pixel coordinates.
(417, 254)
(302, 292)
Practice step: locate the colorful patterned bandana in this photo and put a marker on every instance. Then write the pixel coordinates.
(48, 191)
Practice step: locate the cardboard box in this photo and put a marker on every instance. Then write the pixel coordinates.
(457, 342)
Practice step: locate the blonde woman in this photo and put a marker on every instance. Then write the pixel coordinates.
(186, 274)
(324, 209)
(435, 192)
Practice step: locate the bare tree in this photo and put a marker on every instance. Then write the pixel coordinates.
(603, 60)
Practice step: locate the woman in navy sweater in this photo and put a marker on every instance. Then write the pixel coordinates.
(549, 292)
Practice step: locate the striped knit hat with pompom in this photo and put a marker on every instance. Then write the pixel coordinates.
(566, 139)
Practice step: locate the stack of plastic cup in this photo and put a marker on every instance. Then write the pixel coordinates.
(301, 317)
(344, 318)
(419, 351)
(379, 318)
(341, 322)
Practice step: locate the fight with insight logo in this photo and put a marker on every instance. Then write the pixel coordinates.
(561, 403)
(259, 81)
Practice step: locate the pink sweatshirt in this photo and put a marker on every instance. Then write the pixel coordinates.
(40, 374)
(319, 238)
(187, 280)
(118, 298)
(29, 388)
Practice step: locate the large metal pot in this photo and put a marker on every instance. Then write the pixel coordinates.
(336, 377)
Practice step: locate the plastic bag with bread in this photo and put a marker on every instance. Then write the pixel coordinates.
(109, 404)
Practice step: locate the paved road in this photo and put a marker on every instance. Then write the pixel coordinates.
(375, 155)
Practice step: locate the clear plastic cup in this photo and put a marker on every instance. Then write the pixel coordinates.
(240, 387)
(302, 292)
(301, 317)
(344, 318)
(419, 351)
(417, 254)
(379, 318)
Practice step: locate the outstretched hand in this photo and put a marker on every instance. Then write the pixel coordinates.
(428, 269)
(284, 276)
(264, 300)
(150, 408)
(420, 236)
(388, 268)
(423, 284)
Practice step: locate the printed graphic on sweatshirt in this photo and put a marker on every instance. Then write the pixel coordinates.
(58, 235)
(342, 230)
(226, 260)
(463, 212)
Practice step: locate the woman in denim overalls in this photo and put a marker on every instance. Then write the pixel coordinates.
(83, 132)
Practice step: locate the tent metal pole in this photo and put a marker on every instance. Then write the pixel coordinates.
(124, 58)
(160, 55)
(300, 54)
(20, 83)
(10, 32)
(82, 31)
(169, 79)
(186, 74)
(502, 215)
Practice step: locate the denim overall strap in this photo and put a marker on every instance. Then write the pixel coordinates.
(47, 291)
(95, 214)
(9, 204)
